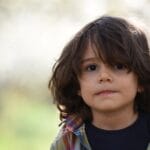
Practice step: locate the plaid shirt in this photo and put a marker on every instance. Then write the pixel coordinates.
(72, 136)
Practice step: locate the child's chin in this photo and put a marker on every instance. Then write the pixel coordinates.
(107, 107)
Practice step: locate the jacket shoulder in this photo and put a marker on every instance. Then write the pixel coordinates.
(65, 139)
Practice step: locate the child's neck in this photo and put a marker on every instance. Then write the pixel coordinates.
(114, 121)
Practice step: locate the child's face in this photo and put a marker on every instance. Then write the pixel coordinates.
(105, 88)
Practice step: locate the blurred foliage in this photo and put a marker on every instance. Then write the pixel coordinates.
(26, 123)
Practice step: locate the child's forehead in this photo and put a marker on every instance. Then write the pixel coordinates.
(89, 52)
(92, 53)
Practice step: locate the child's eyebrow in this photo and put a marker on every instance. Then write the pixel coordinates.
(85, 60)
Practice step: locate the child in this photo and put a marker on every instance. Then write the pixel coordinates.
(101, 85)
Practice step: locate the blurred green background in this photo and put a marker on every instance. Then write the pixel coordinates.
(32, 35)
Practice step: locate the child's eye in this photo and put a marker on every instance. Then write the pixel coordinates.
(91, 67)
(119, 66)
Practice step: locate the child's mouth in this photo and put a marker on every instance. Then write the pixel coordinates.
(105, 92)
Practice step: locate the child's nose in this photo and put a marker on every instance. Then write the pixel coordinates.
(104, 75)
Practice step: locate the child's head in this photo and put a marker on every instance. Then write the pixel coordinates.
(115, 41)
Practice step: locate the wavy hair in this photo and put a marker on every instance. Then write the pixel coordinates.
(117, 40)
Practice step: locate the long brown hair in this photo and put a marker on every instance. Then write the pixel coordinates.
(117, 40)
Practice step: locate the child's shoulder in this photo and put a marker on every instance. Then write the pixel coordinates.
(69, 126)
(66, 134)
(61, 139)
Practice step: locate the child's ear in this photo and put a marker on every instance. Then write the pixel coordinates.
(140, 89)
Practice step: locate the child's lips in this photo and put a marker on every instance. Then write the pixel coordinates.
(105, 92)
